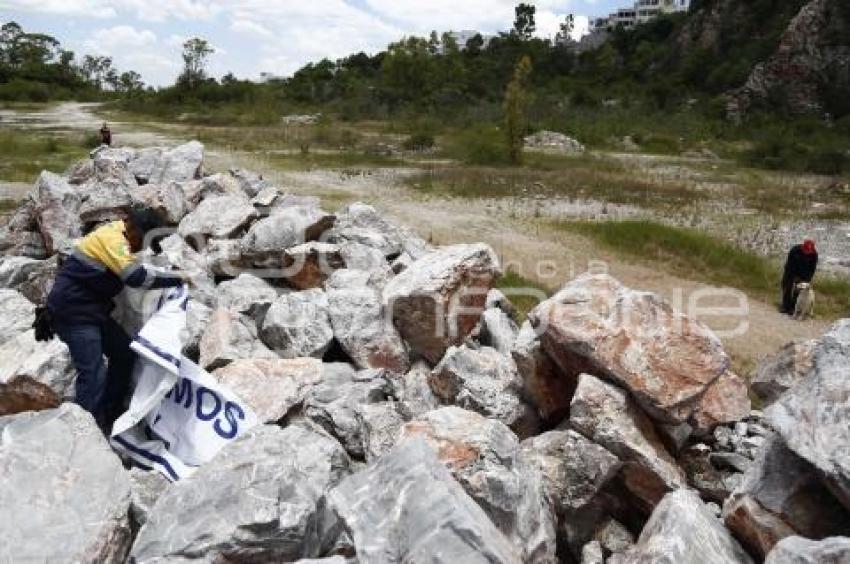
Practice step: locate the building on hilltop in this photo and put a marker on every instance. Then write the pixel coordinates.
(641, 12)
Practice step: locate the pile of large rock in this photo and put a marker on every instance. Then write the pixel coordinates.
(407, 415)
(553, 142)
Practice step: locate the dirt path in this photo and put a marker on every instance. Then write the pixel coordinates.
(529, 248)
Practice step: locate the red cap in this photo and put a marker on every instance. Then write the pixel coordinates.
(809, 247)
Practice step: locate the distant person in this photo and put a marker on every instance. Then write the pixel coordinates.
(105, 135)
(800, 266)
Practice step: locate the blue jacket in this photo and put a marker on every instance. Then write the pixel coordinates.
(95, 273)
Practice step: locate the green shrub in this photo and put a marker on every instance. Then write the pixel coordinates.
(480, 145)
(419, 141)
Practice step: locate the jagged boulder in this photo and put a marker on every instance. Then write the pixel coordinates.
(549, 389)
(224, 257)
(407, 507)
(780, 372)
(246, 294)
(498, 330)
(145, 488)
(251, 182)
(177, 254)
(798, 550)
(58, 204)
(20, 236)
(215, 185)
(666, 360)
(230, 336)
(220, 217)
(414, 392)
(298, 325)
(487, 382)
(264, 487)
(64, 493)
(308, 265)
(360, 325)
(16, 314)
(264, 244)
(438, 300)
(781, 495)
(168, 200)
(271, 388)
(336, 403)
(362, 223)
(33, 375)
(606, 415)
(484, 456)
(182, 163)
(574, 469)
(381, 423)
(360, 257)
(813, 417)
(684, 530)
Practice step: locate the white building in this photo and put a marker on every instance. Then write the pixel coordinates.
(642, 12)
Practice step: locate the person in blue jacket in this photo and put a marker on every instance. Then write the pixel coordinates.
(81, 300)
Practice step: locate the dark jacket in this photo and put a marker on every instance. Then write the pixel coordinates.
(799, 266)
(95, 273)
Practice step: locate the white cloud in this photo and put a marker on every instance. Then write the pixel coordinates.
(276, 36)
(250, 28)
(114, 39)
(86, 8)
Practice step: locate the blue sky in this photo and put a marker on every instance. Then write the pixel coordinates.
(274, 36)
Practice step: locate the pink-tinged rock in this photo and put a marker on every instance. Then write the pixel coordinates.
(663, 358)
(167, 200)
(485, 457)
(545, 384)
(438, 299)
(781, 495)
(271, 387)
(360, 326)
(230, 336)
(725, 401)
(309, 265)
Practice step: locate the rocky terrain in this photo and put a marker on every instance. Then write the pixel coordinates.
(812, 57)
(408, 415)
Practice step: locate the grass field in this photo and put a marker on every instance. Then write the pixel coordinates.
(25, 154)
(698, 256)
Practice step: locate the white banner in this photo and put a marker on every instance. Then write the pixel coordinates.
(179, 416)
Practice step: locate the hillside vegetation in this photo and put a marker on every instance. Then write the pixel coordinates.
(665, 84)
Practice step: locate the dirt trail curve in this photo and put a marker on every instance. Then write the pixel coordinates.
(532, 250)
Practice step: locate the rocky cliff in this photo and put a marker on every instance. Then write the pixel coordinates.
(809, 72)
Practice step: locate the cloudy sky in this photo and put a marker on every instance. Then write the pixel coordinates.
(274, 36)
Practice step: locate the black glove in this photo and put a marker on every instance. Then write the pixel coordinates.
(43, 324)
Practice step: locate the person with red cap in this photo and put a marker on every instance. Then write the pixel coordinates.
(799, 267)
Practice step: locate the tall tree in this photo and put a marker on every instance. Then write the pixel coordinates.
(196, 51)
(565, 30)
(131, 82)
(524, 24)
(516, 102)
